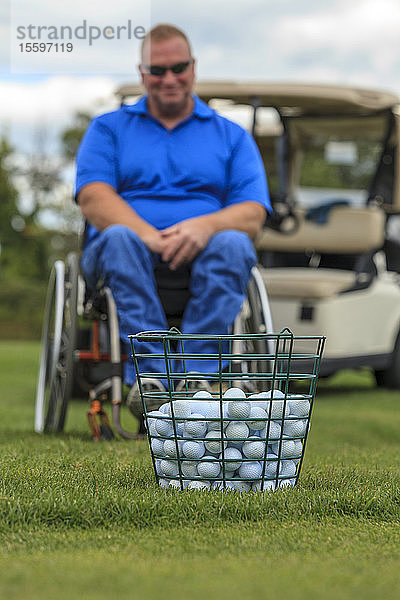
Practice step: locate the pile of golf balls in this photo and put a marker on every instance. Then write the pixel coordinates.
(255, 444)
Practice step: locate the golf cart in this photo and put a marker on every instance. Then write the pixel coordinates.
(330, 254)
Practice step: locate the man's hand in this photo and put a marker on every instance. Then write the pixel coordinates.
(184, 241)
(154, 240)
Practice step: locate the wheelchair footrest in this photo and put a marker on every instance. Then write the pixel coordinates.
(99, 422)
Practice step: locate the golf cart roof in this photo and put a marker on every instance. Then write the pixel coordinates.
(290, 98)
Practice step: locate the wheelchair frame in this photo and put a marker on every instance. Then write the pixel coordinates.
(67, 368)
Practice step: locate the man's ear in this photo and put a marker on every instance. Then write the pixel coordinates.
(140, 69)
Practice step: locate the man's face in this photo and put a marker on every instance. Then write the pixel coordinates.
(171, 93)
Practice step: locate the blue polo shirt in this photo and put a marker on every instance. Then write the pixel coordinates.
(203, 164)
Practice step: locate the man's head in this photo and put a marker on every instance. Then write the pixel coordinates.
(169, 90)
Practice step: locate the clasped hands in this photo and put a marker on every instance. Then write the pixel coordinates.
(182, 242)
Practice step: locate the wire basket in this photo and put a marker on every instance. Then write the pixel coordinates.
(232, 411)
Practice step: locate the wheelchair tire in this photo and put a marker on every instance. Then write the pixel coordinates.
(58, 345)
(255, 323)
(253, 318)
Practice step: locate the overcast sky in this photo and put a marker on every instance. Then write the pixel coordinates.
(353, 42)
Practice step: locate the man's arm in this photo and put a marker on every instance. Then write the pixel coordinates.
(102, 207)
(245, 216)
(187, 238)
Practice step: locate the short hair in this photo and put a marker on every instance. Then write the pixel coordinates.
(164, 31)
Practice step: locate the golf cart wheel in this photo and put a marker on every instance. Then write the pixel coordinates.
(58, 345)
(390, 377)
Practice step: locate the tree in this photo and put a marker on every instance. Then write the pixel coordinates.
(24, 249)
(11, 221)
(72, 136)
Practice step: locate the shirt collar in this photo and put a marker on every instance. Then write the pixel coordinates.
(200, 109)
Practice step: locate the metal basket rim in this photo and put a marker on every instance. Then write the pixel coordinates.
(175, 334)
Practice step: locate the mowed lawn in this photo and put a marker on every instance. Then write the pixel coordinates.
(86, 520)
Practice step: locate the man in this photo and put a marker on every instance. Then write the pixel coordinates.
(169, 180)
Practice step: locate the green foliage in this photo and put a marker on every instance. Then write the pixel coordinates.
(317, 172)
(27, 249)
(72, 136)
(9, 235)
(22, 257)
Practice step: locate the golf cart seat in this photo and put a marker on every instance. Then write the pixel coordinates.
(351, 233)
(303, 282)
(345, 230)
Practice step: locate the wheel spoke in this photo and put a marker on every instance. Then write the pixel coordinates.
(58, 345)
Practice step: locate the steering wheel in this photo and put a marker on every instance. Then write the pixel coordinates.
(283, 219)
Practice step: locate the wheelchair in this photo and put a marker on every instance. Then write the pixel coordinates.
(81, 350)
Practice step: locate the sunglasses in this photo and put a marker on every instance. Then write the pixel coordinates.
(177, 69)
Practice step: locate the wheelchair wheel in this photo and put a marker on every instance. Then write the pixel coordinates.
(58, 345)
(255, 318)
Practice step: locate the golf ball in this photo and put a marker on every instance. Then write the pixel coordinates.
(200, 407)
(298, 448)
(278, 409)
(253, 447)
(257, 413)
(198, 485)
(215, 425)
(274, 431)
(271, 467)
(196, 428)
(265, 486)
(234, 455)
(238, 406)
(219, 486)
(208, 467)
(234, 392)
(250, 470)
(288, 448)
(260, 400)
(170, 448)
(169, 468)
(239, 409)
(273, 394)
(202, 394)
(164, 427)
(288, 468)
(193, 450)
(295, 428)
(181, 409)
(240, 486)
(157, 447)
(189, 468)
(299, 408)
(213, 442)
(286, 483)
(237, 430)
(152, 422)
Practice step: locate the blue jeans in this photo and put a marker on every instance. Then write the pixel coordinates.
(219, 278)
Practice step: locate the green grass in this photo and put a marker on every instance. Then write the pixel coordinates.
(80, 519)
